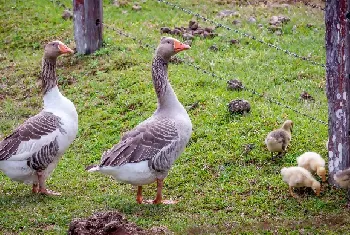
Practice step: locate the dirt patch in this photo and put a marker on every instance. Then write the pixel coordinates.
(111, 223)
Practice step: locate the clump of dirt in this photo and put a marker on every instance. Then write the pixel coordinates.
(239, 106)
(188, 33)
(235, 84)
(110, 223)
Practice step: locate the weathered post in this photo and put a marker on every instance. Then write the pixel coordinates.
(87, 25)
(338, 84)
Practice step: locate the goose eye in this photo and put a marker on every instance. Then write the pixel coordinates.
(168, 42)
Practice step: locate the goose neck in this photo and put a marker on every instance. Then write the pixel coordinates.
(165, 93)
(48, 74)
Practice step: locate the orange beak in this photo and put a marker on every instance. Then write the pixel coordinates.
(64, 49)
(178, 46)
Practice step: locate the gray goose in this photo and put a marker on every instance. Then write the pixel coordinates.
(278, 140)
(32, 151)
(146, 153)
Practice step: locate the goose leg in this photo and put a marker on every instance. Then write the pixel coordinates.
(291, 191)
(139, 194)
(35, 188)
(158, 199)
(42, 185)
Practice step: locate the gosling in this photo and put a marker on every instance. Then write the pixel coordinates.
(278, 140)
(296, 176)
(313, 162)
(343, 178)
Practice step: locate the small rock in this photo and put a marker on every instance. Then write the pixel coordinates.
(187, 36)
(278, 32)
(209, 35)
(236, 22)
(234, 84)
(226, 13)
(136, 7)
(193, 25)
(309, 26)
(239, 106)
(67, 15)
(274, 20)
(306, 96)
(260, 26)
(124, 12)
(165, 30)
(176, 32)
(283, 19)
(213, 48)
(208, 29)
(234, 41)
(188, 42)
(252, 20)
(120, 3)
(274, 28)
(116, 3)
(198, 32)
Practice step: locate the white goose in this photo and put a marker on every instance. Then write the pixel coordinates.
(32, 151)
(146, 153)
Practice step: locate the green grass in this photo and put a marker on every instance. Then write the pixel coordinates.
(220, 189)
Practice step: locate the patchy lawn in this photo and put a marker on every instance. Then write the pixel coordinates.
(221, 187)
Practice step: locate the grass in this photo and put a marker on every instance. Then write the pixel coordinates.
(220, 189)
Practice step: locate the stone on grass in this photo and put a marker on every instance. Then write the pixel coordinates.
(213, 48)
(252, 20)
(165, 30)
(234, 41)
(306, 96)
(136, 7)
(239, 106)
(67, 15)
(227, 13)
(236, 22)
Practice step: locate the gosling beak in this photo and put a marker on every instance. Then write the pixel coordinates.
(318, 192)
(64, 49)
(324, 178)
(178, 46)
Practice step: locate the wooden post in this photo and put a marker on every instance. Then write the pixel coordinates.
(338, 84)
(87, 25)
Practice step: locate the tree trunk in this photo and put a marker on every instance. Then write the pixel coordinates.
(87, 25)
(338, 84)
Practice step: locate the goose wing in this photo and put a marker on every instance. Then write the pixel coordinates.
(154, 141)
(35, 141)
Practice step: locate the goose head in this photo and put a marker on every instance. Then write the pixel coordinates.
(288, 125)
(170, 46)
(56, 48)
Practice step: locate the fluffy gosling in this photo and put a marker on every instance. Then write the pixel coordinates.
(313, 162)
(343, 178)
(278, 140)
(296, 176)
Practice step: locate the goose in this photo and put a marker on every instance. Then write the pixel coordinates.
(343, 180)
(31, 153)
(313, 162)
(278, 140)
(146, 153)
(296, 176)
